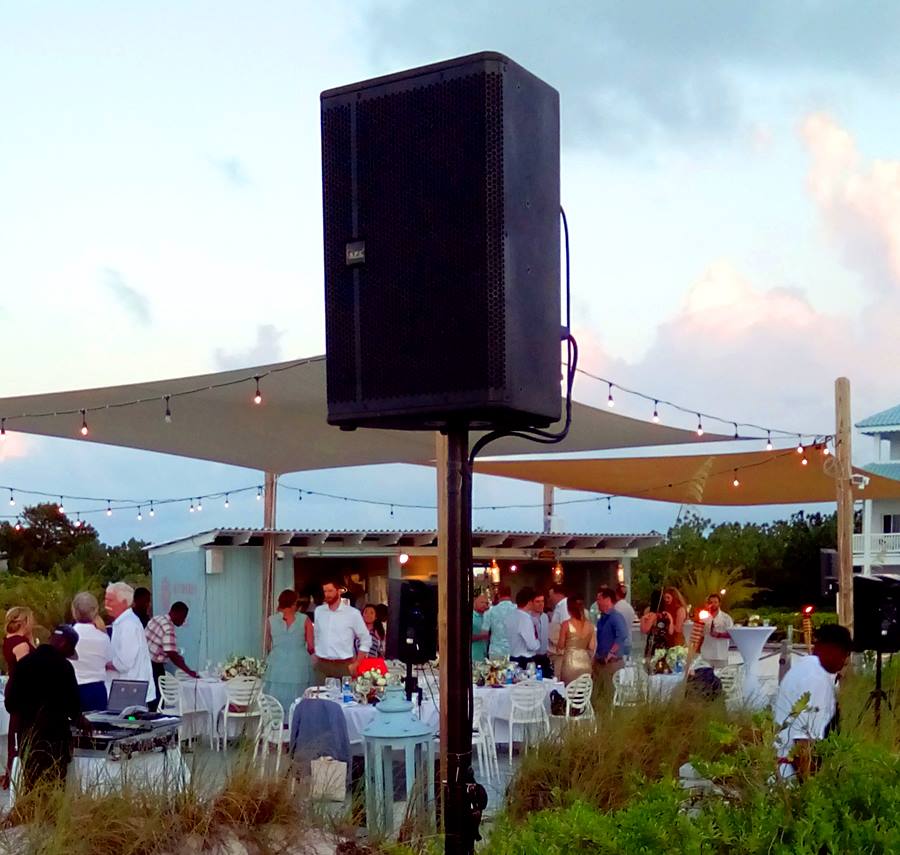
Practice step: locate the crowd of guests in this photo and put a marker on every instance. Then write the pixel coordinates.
(564, 637)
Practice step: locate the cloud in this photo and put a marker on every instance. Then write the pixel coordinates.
(629, 70)
(859, 202)
(754, 354)
(232, 170)
(133, 301)
(266, 349)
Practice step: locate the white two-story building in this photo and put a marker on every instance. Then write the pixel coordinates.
(877, 548)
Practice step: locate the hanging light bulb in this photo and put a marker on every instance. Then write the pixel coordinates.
(108, 508)
(59, 508)
(804, 461)
(736, 482)
(609, 504)
(227, 503)
(610, 401)
(826, 450)
(18, 525)
(699, 425)
(78, 522)
(2, 429)
(257, 398)
(84, 427)
(799, 444)
(12, 499)
(258, 494)
(736, 434)
(392, 510)
(656, 411)
(140, 516)
(168, 415)
(199, 504)
(152, 510)
(299, 495)
(768, 440)
(191, 508)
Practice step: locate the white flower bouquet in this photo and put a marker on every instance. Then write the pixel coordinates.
(676, 657)
(243, 666)
(371, 684)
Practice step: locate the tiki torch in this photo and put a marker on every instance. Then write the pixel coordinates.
(807, 628)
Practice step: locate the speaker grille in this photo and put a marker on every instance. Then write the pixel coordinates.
(340, 321)
(430, 187)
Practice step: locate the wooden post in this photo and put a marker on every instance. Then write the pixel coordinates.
(268, 554)
(440, 457)
(842, 450)
(548, 508)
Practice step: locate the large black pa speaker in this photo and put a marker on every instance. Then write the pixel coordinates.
(442, 247)
(412, 621)
(876, 613)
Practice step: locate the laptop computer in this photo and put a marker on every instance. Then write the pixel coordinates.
(122, 695)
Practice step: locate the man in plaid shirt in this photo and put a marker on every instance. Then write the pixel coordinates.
(163, 644)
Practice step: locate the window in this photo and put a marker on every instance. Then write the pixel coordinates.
(891, 524)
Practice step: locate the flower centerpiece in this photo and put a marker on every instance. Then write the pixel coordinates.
(243, 666)
(670, 660)
(369, 685)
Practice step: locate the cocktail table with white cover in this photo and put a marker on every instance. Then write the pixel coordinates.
(661, 687)
(750, 641)
(496, 702)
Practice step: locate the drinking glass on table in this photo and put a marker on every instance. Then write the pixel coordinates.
(332, 687)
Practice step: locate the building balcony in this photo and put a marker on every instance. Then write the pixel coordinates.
(879, 544)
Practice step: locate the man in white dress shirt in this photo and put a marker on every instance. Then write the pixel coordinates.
(812, 676)
(521, 631)
(714, 650)
(130, 657)
(339, 631)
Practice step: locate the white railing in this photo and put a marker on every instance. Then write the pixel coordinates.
(879, 544)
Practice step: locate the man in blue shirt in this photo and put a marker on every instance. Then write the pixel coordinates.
(613, 643)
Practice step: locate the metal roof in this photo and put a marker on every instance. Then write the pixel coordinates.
(885, 470)
(886, 421)
(383, 539)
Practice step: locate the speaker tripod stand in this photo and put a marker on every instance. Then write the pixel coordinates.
(878, 695)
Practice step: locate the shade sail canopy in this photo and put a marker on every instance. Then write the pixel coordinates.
(765, 477)
(214, 418)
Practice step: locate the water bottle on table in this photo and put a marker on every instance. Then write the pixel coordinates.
(346, 691)
(539, 673)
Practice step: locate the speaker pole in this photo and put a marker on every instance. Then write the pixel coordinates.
(842, 452)
(455, 623)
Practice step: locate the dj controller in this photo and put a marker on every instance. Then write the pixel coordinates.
(122, 737)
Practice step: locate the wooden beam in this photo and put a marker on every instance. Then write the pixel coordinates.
(268, 554)
(842, 451)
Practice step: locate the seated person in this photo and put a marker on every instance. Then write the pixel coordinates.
(813, 675)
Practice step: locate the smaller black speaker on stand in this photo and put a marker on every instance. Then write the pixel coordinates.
(412, 627)
(876, 626)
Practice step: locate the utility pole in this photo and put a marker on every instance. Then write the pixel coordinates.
(268, 554)
(842, 454)
(548, 508)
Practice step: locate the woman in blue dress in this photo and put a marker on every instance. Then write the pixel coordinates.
(289, 668)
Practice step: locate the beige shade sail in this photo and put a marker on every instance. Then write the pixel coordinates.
(213, 417)
(764, 477)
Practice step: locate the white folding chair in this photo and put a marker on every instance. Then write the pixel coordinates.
(578, 699)
(528, 710)
(483, 742)
(270, 731)
(242, 704)
(171, 702)
(628, 687)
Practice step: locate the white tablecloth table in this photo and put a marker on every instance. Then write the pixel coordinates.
(750, 641)
(93, 772)
(360, 716)
(661, 687)
(497, 704)
(208, 695)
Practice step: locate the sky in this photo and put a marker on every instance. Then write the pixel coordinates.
(731, 175)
